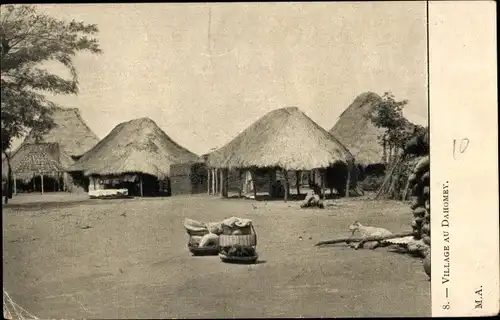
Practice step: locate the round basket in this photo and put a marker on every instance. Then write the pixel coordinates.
(194, 248)
(248, 240)
(226, 258)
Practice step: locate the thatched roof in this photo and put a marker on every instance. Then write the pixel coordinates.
(70, 132)
(135, 146)
(285, 138)
(357, 132)
(30, 159)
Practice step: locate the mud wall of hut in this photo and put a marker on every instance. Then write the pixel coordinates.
(76, 182)
(188, 178)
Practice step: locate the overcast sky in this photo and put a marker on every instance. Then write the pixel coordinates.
(204, 72)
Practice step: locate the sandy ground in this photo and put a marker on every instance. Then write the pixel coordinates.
(137, 265)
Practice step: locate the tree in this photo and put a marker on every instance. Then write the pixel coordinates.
(388, 115)
(418, 145)
(28, 39)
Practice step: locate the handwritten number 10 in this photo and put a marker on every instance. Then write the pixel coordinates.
(464, 144)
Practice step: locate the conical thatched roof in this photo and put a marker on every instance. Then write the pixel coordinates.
(285, 138)
(135, 146)
(357, 132)
(32, 159)
(70, 132)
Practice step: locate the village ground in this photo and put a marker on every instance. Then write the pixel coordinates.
(67, 256)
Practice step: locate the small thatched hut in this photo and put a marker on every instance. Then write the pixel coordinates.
(136, 155)
(283, 139)
(31, 162)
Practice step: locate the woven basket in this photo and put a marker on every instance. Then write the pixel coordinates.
(197, 251)
(249, 240)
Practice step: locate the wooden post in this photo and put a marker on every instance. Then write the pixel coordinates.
(15, 183)
(209, 174)
(220, 179)
(224, 175)
(65, 182)
(226, 182)
(212, 173)
(348, 182)
(254, 186)
(323, 183)
(216, 177)
(221, 183)
(298, 177)
(41, 183)
(285, 178)
(240, 183)
(140, 185)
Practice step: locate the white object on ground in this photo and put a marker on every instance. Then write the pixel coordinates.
(108, 192)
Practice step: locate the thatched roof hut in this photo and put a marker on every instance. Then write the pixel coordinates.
(35, 159)
(71, 133)
(136, 146)
(358, 133)
(284, 138)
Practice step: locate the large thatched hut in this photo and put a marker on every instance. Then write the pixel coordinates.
(284, 139)
(66, 141)
(135, 155)
(357, 132)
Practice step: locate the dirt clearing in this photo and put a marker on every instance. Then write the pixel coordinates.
(72, 257)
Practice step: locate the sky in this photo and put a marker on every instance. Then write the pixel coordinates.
(205, 72)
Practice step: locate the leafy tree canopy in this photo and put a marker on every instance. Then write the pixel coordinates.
(388, 115)
(29, 38)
